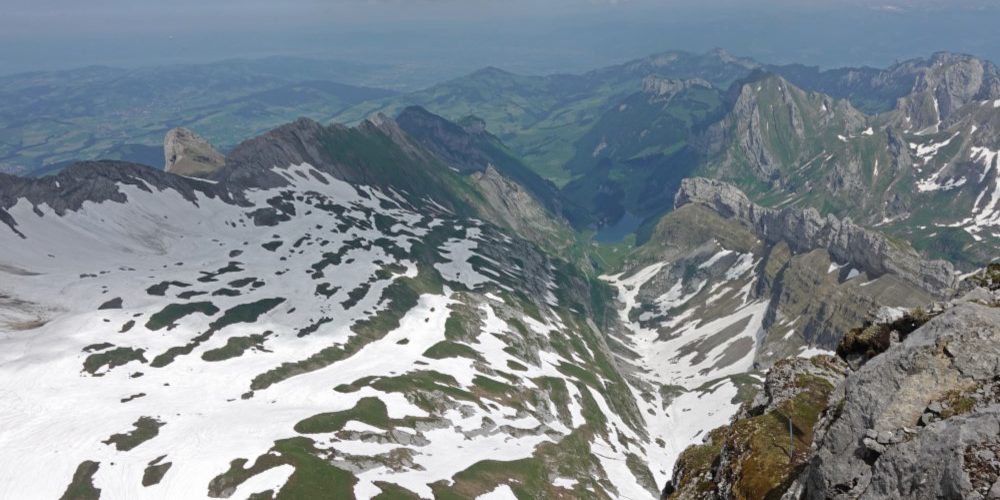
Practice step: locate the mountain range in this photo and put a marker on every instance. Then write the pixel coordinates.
(907, 148)
(622, 284)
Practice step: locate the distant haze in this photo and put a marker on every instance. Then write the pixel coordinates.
(452, 37)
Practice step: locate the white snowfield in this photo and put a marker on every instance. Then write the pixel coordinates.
(985, 216)
(56, 414)
(678, 349)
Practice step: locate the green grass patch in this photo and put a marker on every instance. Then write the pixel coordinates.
(235, 347)
(314, 476)
(145, 428)
(449, 349)
(371, 411)
(169, 315)
(243, 313)
(155, 471)
(82, 485)
(112, 358)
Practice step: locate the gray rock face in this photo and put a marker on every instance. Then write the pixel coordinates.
(805, 230)
(920, 420)
(250, 163)
(933, 405)
(944, 83)
(514, 206)
(744, 125)
(187, 153)
(456, 145)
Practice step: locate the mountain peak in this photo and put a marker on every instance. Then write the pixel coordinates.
(946, 57)
(187, 153)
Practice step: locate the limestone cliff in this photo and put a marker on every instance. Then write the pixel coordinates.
(805, 230)
(187, 153)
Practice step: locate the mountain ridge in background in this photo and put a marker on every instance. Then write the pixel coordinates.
(345, 309)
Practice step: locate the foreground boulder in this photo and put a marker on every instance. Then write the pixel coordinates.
(921, 420)
(917, 415)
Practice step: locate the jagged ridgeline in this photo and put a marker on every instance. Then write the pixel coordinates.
(348, 310)
(417, 307)
(922, 170)
(909, 149)
(335, 313)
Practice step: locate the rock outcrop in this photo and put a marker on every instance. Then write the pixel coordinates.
(919, 419)
(455, 145)
(769, 439)
(806, 230)
(187, 153)
(468, 147)
(251, 161)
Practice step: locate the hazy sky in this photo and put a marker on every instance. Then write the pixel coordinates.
(458, 35)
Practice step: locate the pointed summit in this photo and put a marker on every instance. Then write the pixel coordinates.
(187, 153)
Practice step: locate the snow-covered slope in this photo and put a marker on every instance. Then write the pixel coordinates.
(169, 347)
(716, 297)
(317, 321)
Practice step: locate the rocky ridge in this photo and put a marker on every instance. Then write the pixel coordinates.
(467, 147)
(921, 169)
(95, 182)
(805, 230)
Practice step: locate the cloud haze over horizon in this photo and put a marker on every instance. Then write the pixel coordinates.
(540, 36)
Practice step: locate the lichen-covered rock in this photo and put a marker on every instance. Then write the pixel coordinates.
(873, 338)
(768, 443)
(987, 278)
